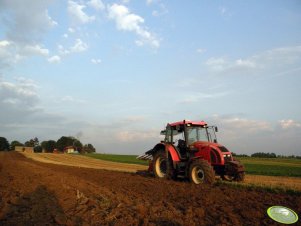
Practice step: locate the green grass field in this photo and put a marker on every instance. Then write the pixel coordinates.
(256, 166)
(272, 166)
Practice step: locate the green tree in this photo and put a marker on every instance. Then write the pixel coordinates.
(15, 143)
(77, 145)
(88, 148)
(38, 149)
(68, 141)
(4, 145)
(32, 142)
(264, 155)
(49, 145)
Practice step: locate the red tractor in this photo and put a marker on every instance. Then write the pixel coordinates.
(190, 150)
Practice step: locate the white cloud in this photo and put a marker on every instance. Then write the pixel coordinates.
(34, 50)
(77, 14)
(96, 4)
(62, 50)
(197, 97)
(54, 59)
(125, 20)
(289, 123)
(160, 11)
(71, 99)
(8, 54)
(4, 43)
(132, 136)
(222, 64)
(149, 2)
(23, 27)
(274, 60)
(79, 46)
(95, 61)
(22, 93)
(71, 30)
(28, 24)
(201, 50)
(246, 125)
(245, 63)
(217, 64)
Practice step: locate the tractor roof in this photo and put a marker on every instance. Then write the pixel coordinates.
(185, 122)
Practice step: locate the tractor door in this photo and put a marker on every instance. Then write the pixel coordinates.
(179, 141)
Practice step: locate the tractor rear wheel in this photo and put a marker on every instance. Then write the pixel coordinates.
(200, 171)
(160, 164)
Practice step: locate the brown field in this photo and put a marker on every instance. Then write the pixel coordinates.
(86, 162)
(40, 193)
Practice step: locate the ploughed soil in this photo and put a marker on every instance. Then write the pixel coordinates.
(36, 193)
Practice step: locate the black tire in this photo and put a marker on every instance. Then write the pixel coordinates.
(160, 164)
(201, 172)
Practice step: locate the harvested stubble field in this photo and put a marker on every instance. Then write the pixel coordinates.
(40, 193)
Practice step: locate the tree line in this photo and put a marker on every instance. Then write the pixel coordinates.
(266, 155)
(48, 145)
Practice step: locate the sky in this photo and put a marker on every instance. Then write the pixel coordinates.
(114, 73)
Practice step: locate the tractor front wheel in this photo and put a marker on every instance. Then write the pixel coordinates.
(200, 171)
(160, 164)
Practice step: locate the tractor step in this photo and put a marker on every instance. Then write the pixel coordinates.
(145, 157)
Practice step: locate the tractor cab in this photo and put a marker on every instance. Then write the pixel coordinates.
(185, 134)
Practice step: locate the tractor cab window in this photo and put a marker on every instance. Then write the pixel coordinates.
(196, 133)
(174, 134)
(178, 135)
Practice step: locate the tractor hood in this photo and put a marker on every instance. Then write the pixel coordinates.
(205, 143)
(200, 144)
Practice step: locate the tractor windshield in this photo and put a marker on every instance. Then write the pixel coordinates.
(200, 133)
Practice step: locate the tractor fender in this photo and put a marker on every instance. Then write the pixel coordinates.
(216, 155)
(167, 147)
(173, 153)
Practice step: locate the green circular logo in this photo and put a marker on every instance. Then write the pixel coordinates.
(282, 214)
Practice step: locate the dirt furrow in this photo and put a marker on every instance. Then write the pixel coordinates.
(36, 193)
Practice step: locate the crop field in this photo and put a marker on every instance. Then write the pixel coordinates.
(272, 166)
(62, 189)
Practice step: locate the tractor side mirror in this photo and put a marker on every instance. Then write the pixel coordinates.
(216, 129)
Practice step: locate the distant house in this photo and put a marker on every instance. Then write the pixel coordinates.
(24, 149)
(56, 151)
(69, 149)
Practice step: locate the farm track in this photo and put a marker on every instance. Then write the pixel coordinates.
(82, 161)
(38, 193)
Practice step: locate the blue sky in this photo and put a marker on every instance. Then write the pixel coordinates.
(113, 73)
